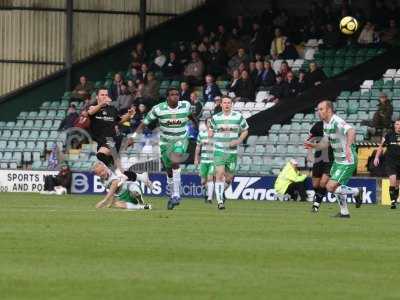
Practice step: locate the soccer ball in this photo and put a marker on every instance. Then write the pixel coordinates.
(348, 25)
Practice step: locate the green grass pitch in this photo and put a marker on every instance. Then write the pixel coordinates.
(62, 248)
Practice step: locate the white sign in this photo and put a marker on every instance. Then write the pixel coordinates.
(23, 181)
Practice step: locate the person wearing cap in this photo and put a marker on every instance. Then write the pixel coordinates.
(290, 181)
(69, 119)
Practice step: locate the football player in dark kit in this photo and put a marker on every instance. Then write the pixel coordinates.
(392, 161)
(103, 121)
(322, 163)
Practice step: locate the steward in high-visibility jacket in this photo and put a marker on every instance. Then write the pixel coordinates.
(291, 181)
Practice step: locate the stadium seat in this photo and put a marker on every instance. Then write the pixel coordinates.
(15, 135)
(11, 145)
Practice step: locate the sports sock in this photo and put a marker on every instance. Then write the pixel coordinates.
(131, 206)
(219, 191)
(106, 159)
(141, 176)
(342, 201)
(394, 193)
(176, 177)
(320, 193)
(169, 184)
(210, 190)
(346, 190)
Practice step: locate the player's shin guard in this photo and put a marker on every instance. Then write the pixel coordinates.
(219, 191)
(210, 190)
(176, 177)
(170, 184)
(320, 193)
(106, 159)
(394, 193)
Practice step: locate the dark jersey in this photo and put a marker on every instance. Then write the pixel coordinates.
(317, 131)
(392, 142)
(102, 123)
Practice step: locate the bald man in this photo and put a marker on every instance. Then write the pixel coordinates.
(341, 136)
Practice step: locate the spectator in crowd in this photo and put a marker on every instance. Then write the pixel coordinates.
(278, 89)
(257, 41)
(131, 87)
(330, 37)
(291, 182)
(136, 62)
(268, 77)
(139, 116)
(233, 43)
(124, 100)
(290, 51)
(197, 107)
(284, 69)
(210, 89)
(257, 74)
(383, 116)
(291, 86)
(141, 97)
(217, 107)
(368, 36)
(183, 54)
(83, 88)
(184, 91)
(115, 89)
(245, 89)
(278, 44)
(69, 119)
(242, 26)
(159, 60)
(142, 74)
(152, 87)
(390, 34)
(221, 35)
(314, 76)
(201, 33)
(142, 55)
(233, 85)
(239, 58)
(217, 60)
(194, 70)
(301, 83)
(172, 68)
(58, 184)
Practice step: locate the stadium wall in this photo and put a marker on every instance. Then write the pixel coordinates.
(33, 35)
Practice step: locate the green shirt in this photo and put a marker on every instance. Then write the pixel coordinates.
(336, 130)
(207, 147)
(227, 128)
(172, 121)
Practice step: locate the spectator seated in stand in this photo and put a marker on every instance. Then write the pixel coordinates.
(151, 88)
(217, 60)
(290, 51)
(331, 37)
(210, 89)
(159, 61)
(142, 74)
(383, 116)
(240, 58)
(278, 44)
(278, 90)
(301, 83)
(315, 76)
(257, 74)
(184, 91)
(115, 89)
(69, 119)
(194, 70)
(291, 85)
(268, 78)
(173, 68)
(83, 88)
(245, 90)
(197, 106)
(124, 100)
(389, 35)
(368, 36)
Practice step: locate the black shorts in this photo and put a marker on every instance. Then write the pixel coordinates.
(392, 166)
(109, 142)
(321, 168)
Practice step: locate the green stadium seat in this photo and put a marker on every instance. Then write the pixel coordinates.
(11, 145)
(295, 139)
(64, 104)
(353, 107)
(38, 124)
(275, 128)
(36, 165)
(6, 134)
(262, 140)
(286, 128)
(259, 150)
(34, 134)
(15, 135)
(22, 115)
(21, 145)
(45, 105)
(283, 139)
(60, 115)
(355, 95)
(19, 124)
(43, 136)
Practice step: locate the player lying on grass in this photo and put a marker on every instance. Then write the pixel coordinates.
(340, 135)
(120, 193)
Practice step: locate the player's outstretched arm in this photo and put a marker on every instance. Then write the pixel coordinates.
(379, 152)
(128, 116)
(109, 198)
(323, 144)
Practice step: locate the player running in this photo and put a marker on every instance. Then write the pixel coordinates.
(173, 116)
(103, 120)
(120, 193)
(229, 130)
(392, 156)
(340, 136)
(204, 159)
(322, 164)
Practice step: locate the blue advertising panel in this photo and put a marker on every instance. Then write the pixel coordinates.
(243, 187)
